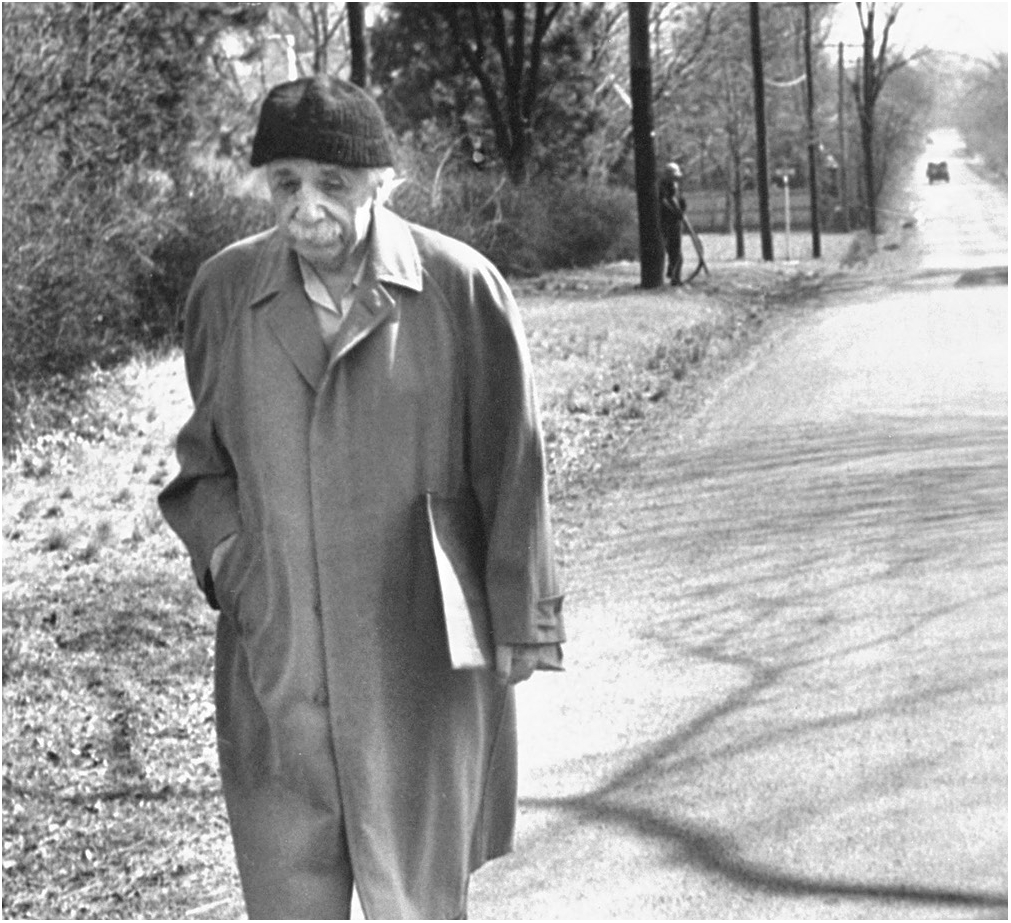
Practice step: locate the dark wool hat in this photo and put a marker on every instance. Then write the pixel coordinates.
(327, 121)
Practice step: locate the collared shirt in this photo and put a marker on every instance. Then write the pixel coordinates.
(329, 314)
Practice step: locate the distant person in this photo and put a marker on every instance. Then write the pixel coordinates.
(672, 213)
(362, 493)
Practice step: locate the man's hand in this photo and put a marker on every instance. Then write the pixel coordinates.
(220, 551)
(516, 662)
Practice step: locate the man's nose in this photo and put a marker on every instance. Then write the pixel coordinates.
(309, 204)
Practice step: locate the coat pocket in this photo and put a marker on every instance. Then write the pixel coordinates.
(459, 547)
(233, 574)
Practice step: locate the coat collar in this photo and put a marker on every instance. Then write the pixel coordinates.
(395, 257)
(392, 259)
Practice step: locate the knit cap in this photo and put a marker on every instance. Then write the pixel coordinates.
(329, 121)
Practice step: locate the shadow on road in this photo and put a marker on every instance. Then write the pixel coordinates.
(851, 580)
(718, 853)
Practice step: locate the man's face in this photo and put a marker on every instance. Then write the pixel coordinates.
(322, 210)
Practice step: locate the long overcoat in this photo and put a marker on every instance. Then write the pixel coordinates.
(344, 735)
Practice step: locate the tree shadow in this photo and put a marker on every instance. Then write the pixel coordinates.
(716, 852)
(785, 545)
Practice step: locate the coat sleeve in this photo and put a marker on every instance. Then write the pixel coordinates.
(201, 502)
(507, 471)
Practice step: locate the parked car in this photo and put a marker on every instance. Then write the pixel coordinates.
(937, 172)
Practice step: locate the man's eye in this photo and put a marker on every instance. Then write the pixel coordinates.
(287, 186)
(334, 187)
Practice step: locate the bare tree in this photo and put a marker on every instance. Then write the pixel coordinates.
(878, 63)
(511, 84)
(318, 25)
(735, 126)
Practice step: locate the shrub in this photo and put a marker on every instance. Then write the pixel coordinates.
(208, 213)
(525, 230)
(101, 106)
(69, 255)
(92, 274)
(585, 224)
(984, 124)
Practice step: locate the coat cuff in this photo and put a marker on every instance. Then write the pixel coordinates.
(543, 623)
(549, 656)
(549, 619)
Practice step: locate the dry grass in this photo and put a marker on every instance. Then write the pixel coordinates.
(111, 802)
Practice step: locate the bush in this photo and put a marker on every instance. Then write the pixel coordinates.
(586, 224)
(92, 274)
(69, 255)
(526, 230)
(209, 213)
(984, 125)
(100, 112)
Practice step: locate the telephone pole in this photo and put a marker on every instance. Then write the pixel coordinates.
(762, 180)
(651, 255)
(812, 140)
(356, 36)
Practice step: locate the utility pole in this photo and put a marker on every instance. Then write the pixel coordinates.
(651, 254)
(812, 140)
(844, 195)
(762, 180)
(356, 38)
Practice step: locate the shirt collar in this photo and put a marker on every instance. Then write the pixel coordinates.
(315, 287)
(392, 258)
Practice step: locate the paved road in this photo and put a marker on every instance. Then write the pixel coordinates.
(787, 685)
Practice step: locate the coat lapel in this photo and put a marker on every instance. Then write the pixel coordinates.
(280, 295)
(291, 318)
(372, 308)
(394, 263)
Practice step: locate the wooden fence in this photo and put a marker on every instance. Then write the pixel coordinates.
(710, 210)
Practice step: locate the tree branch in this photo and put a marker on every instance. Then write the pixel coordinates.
(475, 61)
(515, 73)
(893, 13)
(543, 17)
(499, 37)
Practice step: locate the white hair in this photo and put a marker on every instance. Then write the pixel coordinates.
(385, 181)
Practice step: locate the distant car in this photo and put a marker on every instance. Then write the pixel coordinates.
(936, 172)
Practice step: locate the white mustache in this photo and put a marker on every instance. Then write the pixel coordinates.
(316, 235)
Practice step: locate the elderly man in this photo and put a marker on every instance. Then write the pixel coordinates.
(362, 494)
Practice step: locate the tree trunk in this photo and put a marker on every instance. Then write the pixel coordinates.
(867, 124)
(511, 100)
(651, 254)
(867, 91)
(870, 192)
(844, 195)
(738, 197)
